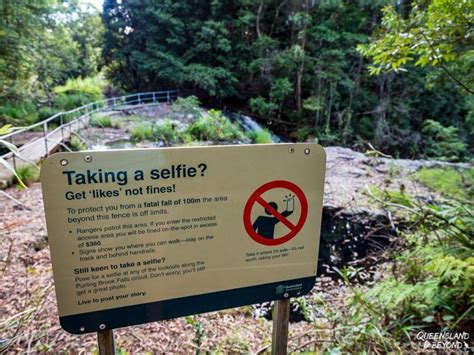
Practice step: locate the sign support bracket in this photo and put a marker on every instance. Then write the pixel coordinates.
(105, 339)
(281, 319)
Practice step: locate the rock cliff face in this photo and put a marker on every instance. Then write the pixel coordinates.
(354, 228)
(349, 173)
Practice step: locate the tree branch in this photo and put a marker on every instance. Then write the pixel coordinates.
(451, 75)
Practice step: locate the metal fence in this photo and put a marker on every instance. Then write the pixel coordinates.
(78, 118)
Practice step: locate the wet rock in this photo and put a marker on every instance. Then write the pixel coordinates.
(352, 234)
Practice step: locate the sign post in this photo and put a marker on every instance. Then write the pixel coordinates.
(281, 321)
(105, 340)
(143, 235)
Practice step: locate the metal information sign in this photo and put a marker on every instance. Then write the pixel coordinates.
(145, 235)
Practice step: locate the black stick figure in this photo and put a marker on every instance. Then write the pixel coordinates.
(265, 226)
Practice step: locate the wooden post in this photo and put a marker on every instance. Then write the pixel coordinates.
(281, 319)
(105, 339)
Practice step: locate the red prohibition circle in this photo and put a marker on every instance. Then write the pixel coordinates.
(257, 196)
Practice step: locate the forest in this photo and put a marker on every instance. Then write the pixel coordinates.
(385, 86)
(396, 74)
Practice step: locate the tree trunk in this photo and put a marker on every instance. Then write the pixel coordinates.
(299, 74)
(353, 92)
(328, 117)
(317, 116)
(382, 129)
(257, 19)
(275, 18)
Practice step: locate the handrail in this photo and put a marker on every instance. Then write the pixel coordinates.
(139, 96)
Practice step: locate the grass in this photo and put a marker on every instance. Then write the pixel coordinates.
(77, 144)
(454, 183)
(141, 132)
(166, 131)
(261, 137)
(27, 174)
(100, 121)
(213, 126)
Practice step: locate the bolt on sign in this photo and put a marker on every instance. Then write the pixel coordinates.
(145, 235)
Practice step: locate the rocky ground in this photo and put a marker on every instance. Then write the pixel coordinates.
(27, 302)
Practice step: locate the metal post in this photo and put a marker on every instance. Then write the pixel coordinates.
(13, 154)
(281, 319)
(139, 99)
(45, 132)
(61, 122)
(154, 97)
(168, 96)
(105, 339)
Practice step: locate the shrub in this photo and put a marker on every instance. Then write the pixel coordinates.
(89, 86)
(46, 112)
(434, 278)
(27, 174)
(303, 133)
(429, 284)
(100, 121)
(141, 132)
(262, 136)
(215, 127)
(22, 114)
(166, 131)
(327, 137)
(443, 142)
(187, 106)
(68, 102)
(262, 107)
(78, 92)
(77, 144)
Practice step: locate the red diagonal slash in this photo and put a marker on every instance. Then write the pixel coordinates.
(275, 213)
(256, 196)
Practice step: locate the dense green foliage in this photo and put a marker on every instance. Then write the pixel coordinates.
(206, 126)
(187, 106)
(213, 126)
(74, 93)
(434, 33)
(429, 283)
(78, 92)
(100, 121)
(261, 137)
(296, 64)
(43, 44)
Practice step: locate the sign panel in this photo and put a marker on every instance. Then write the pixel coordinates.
(149, 234)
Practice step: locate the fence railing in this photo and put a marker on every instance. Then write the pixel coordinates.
(79, 117)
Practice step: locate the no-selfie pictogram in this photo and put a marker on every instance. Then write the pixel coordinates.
(262, 229)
